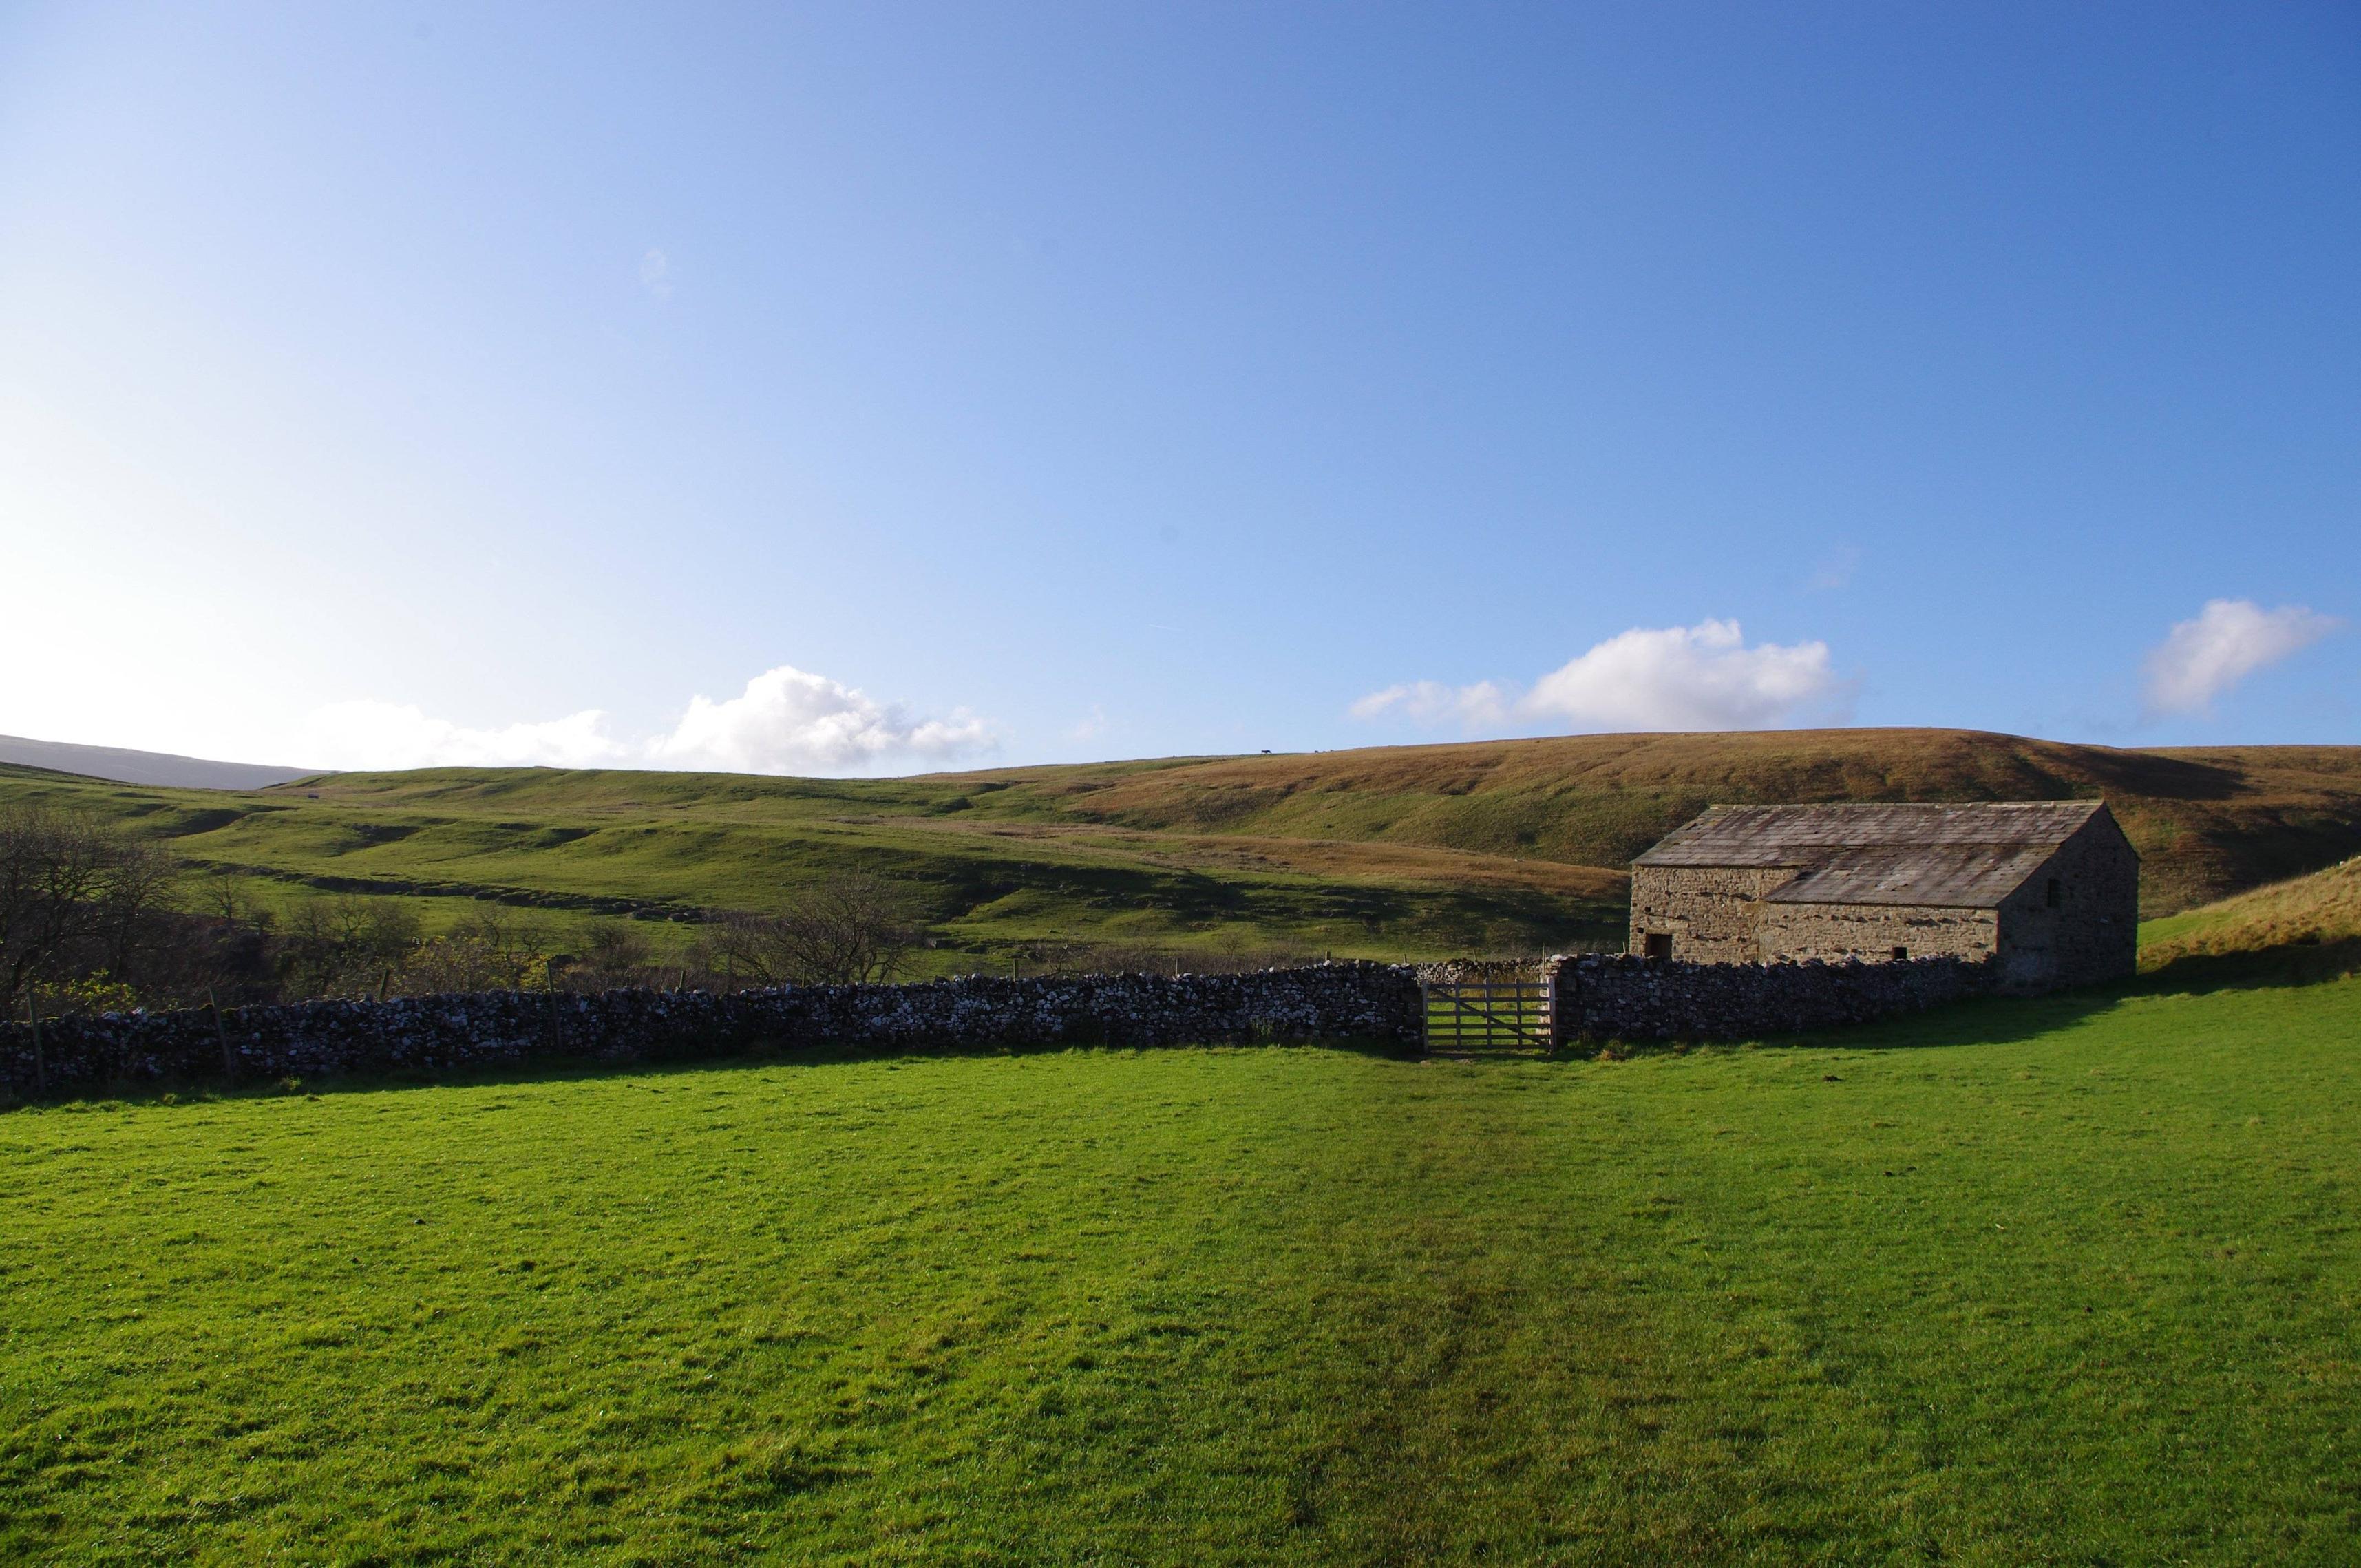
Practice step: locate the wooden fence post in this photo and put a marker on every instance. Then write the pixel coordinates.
(41, 1064)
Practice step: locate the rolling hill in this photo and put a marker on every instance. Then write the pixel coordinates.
(1384, 851)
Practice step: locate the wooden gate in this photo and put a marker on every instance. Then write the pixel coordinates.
(1491, 1014)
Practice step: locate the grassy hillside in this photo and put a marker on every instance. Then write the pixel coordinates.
(1392, 851)
(584, 847)
(2321, 913)
(2054, 1282)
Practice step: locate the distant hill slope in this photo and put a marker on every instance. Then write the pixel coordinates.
(2208, 822)
(143, 767)
(1398, 851)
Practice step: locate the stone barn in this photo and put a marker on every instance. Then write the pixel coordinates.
(2051, 887)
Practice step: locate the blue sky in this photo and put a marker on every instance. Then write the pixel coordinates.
(868, 389)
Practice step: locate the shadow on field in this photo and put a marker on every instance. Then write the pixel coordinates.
(2298, 963)
(1987, 1021)
(574, 1069)
(2001, 1020)
(835, 1055)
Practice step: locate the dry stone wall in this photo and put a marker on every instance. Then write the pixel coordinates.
(1598, 996)
(1617, 997)
(437, 1034)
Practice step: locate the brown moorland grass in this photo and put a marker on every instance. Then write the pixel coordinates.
(2207, 820)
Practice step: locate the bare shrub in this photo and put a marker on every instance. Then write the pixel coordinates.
(492, 949)
(612, 956)
(220, 895)
(348, 945)
(383, 937)
(78, 897)
(183, 959)
(852, 929)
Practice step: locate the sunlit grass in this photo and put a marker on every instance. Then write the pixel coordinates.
(2066, 1280)
(2322, 909)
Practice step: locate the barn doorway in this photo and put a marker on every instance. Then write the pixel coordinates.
(1659, 945)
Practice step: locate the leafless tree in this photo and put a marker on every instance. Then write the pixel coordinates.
(382, 937)
(348, 945)
(76, 897)
(852, 929)
(313, 954)
(141, 882)
(491, 950)
(612, 955)
(222, 895)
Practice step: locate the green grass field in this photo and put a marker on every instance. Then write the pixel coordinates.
(2067, 1281)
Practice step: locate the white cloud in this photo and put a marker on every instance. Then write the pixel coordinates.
(787, 720)
(1432, 702)
(655, 274)
(1676, 677)
(2231, 639)
(1691, 677)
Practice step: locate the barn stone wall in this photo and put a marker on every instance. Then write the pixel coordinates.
(1870, 933)
(1712, 912)
(2092, 935)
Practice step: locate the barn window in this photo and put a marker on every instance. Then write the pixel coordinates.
(1660, 944)
(1901, 954)
(2056, 895)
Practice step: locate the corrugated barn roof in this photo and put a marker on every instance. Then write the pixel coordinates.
(1963, 856)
